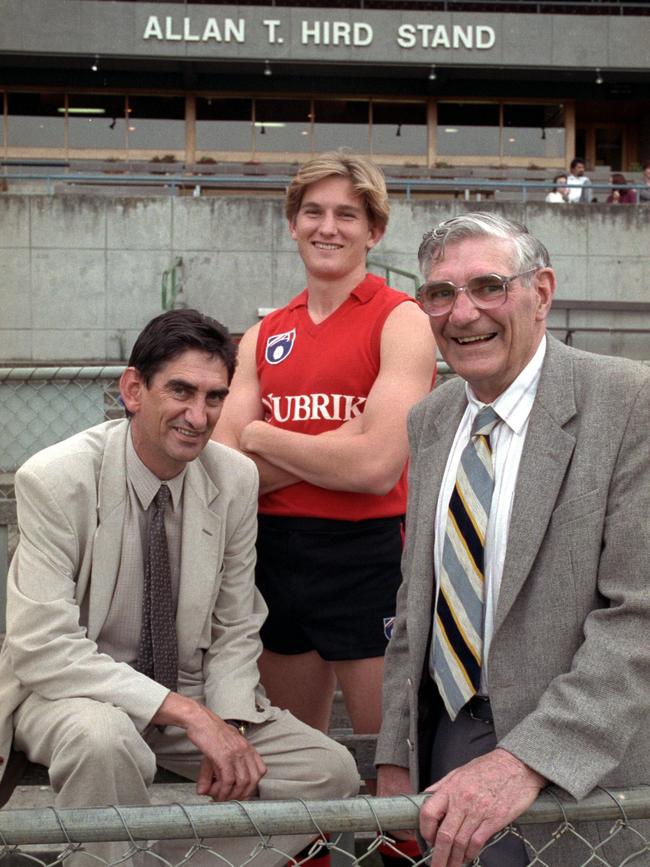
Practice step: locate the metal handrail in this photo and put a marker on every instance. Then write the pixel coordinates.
(173, 182)
(254, 818)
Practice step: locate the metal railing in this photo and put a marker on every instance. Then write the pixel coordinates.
(262, 821)
(176, 181)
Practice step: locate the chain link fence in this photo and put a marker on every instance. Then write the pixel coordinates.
(207, 834)
(43, 405)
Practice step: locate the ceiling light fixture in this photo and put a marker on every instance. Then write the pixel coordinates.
(79, 110)
(95, 63)
(599, 77)
(267, 68)
(432, 73)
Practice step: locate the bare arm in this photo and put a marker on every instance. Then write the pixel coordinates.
(366, 454)
(244, 405)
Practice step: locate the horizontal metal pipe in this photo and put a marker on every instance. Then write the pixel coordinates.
(9, 374)
(252, 818)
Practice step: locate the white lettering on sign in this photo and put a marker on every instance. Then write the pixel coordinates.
(272, 25)
(336, 33)
(440, 36)
(230, 30)
(357, 34)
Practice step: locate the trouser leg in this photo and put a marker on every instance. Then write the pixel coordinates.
(301, 763)
(457, 743)
(95, 757)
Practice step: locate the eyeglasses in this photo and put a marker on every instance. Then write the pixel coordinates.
(485, 292)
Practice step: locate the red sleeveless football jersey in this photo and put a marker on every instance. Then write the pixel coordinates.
(313, 378)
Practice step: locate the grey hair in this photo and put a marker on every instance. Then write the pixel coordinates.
(529, 252)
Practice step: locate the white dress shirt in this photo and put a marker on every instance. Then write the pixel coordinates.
(507, 441)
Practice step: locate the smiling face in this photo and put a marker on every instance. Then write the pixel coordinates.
(174, 416)
(333, 232)
(490, 348)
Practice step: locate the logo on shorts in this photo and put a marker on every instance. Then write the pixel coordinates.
(389, 622)
(279, 346)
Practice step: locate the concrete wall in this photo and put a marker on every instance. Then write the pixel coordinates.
(80, 275)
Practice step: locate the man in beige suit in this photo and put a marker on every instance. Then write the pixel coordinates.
(561, 689)
(77, 690)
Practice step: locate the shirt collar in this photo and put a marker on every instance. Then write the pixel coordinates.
(145, 483)
(362, 292)
(515, 403)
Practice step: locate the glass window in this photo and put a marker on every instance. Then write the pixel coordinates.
(399, 128)
(96, 121)
(341, 123)
(609, 147)
(224, 124)
(533, 131)
(468, 129)
(156, 123)
(36, 120)
(283, 125)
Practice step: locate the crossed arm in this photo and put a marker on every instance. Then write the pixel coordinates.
(366, 454)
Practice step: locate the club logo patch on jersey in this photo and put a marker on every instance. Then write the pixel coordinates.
(279, 346)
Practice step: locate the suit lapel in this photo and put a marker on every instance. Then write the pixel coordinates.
(107, 543)
(544, 461)
(200, 558)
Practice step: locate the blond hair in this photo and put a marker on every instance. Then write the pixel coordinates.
(366, 177)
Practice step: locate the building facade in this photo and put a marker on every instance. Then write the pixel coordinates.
(422, 84)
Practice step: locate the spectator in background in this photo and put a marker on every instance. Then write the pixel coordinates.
(622, 195)
(579, 184)
(560, 191)
(644, 194)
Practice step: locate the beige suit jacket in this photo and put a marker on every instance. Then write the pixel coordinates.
(569, 664)
(71, 502)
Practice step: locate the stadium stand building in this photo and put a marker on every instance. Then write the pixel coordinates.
(416, 83)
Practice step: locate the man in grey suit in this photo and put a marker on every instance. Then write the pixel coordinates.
(555, 691)
(94, 682)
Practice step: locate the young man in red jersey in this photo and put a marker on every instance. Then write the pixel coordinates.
(320, 399)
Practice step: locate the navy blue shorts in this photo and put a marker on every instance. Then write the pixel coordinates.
(330, 585)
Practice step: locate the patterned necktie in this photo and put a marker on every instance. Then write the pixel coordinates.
(457, 646)
(158, 652)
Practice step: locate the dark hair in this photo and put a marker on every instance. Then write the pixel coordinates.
(574, 162)
(176, 331)
(556, 179)
(620, 180)
(646, 165)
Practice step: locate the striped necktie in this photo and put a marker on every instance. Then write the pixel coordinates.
(457, 646)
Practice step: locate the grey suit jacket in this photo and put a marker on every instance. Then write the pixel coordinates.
(71, 502)
(569, 664)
